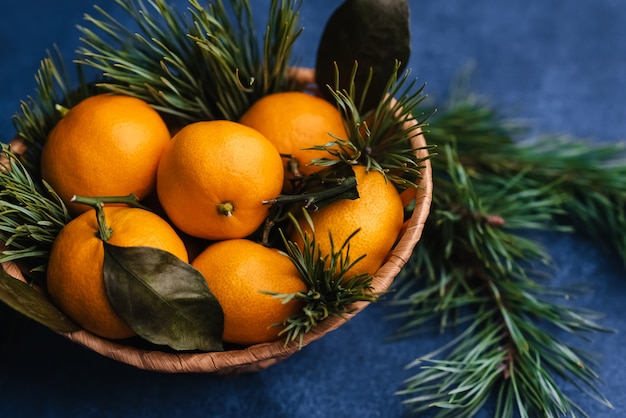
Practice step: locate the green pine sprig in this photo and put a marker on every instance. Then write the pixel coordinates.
(206, 65)
(31, 215)
(589, 178)
(379, 139)
(331, 289)
(477, 271)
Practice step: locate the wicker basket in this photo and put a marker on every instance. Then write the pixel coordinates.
(260, 356)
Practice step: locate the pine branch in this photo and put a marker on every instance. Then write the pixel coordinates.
(591, 177)
(588, 177)
(480, 275)
(331, 290)
(380, 138)
(31, 215)
(507, 351)
(209, 66)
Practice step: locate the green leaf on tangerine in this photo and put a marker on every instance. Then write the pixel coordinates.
(163, 299)
(28, 301)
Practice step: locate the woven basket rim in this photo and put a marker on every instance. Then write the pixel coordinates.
(259, 356)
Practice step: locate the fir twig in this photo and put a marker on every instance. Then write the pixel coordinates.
(210, 66)
(379, 139)
(479, 274)
(589, 178)
(30, 216)
(331, 290)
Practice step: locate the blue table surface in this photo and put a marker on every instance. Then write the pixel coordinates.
(559, 65)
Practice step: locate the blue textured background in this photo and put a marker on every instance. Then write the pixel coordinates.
(560, 65)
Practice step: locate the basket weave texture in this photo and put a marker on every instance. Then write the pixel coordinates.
(260, 356)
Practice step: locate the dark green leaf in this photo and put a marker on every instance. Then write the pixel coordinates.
(331, 184)
(322, 188)
(163, 299)
(347, 190)
(373, 32)
(27, 300)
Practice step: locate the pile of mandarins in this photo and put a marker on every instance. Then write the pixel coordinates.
(207, 187)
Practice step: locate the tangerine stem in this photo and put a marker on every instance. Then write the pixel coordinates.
(225, 208)
(130, 200)
(61, 109)
(104, 232)
(98, 202)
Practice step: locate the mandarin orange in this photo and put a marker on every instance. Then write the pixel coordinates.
(214, 178)
(106, 145)
(294, 121)
(239, 272)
